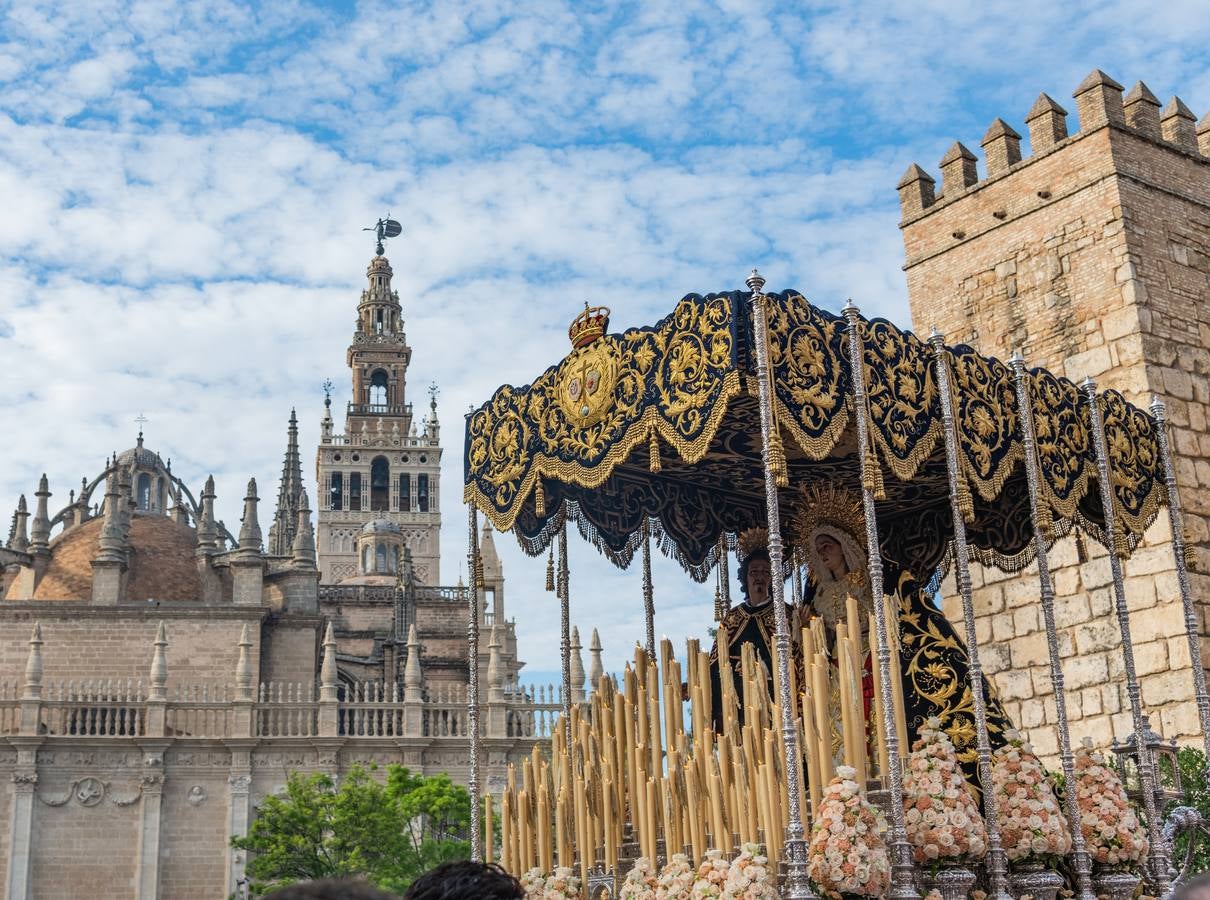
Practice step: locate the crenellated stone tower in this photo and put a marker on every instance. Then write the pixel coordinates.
(382, 468)
(1092, 257)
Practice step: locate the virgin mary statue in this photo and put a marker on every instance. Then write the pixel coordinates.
(827, 528)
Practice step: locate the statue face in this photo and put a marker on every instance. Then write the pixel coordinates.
(831, 554)
(759, 581)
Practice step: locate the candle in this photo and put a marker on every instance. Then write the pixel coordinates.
(892, 621)
(489, 836)
(811, 745)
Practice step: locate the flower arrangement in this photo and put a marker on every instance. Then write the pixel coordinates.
(676, 879)
(847, 854)
(560, 885)
(942, 818)
(748, 876)
(1031, 824)
(641, 881)
(1112, 831)
(711, 876)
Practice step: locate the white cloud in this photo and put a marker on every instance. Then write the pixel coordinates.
(184, 186)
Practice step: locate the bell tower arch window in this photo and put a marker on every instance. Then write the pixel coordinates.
(422, 492)
(379, 388)
(405, 492)
(380, 484)
(144, 491)
(336, 491)
(355, 491)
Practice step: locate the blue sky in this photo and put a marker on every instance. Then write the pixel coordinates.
(182, 190)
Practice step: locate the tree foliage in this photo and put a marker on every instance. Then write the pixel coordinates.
(388, 832)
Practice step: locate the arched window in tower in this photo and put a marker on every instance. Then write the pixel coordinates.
(380, 559)
(378, 388)
(336, 491)
(355, 491)
(380, 484)
(405, 492)
(422, 492)
(161, 503)
(144, 490)
(365, 560)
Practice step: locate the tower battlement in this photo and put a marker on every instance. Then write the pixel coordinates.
(1099, 104)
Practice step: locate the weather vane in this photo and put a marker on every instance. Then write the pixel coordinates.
(386, 228)
(327, 391)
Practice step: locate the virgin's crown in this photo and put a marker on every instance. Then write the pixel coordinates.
(588, 325)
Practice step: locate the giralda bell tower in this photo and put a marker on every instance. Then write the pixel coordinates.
(384, 468)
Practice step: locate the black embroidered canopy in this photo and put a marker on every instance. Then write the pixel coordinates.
(661, 423)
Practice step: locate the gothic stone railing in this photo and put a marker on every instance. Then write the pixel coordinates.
(112, 709)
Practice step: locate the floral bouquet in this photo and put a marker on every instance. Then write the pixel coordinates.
(942, 818)
(1031, 824)
(640, 883)
(748, 877)
(1112, 830)
(676, 879)
(711, 876)
(561, 885)
(847, 854)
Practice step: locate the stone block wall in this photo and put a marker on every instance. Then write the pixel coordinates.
(1091, 257)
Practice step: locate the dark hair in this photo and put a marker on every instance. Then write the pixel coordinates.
(331, 889)
(757, 553)
(1194, 889)
(466, 880)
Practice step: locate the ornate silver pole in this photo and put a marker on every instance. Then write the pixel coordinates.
(475, 564)
(997, 862)
(1025, 413)
(648, 590)
(1158, 857)
(565, 635)
(1177, 520)
(903, 881)
(797, 884)
(724, 579)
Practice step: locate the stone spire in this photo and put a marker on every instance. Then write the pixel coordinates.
(180, 514)
(412, 683)
(113, 535)
(595, 669)
(577, 667)
(19, 539)
(207, 531)
(328, 683)
(243, 667)
(249, 532)
(285, 518)
(40, 531)
(33, 665)
(303, 547)
(495, 671)
(159, 666)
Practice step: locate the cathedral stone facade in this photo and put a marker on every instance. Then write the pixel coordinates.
(159, 675)
(1091, 256)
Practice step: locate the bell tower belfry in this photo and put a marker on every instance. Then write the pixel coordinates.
(383, 467)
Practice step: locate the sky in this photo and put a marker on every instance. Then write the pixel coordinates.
(183, 190)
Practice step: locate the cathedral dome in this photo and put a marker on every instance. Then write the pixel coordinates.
(162, 562)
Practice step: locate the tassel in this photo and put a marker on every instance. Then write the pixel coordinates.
(966, 502)
(1120, 546)
(719, 609)
(550, 569)
(539, 499)
(480, 581)
(653, 452)
(1046, 522)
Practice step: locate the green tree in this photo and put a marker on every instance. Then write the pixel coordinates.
(388, 833)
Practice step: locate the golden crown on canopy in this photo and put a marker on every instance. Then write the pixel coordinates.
(751, 539)
(588, 325)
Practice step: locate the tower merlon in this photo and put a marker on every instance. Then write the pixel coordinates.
(1203, 135)
(1047, 123)
(1099, 101)
(916, 191)
(1002, 147)
(958, 170)
(1178, 125)
(1143, 111)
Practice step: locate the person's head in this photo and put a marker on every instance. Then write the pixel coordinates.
(756, 576)
(466, 880)
(1194, 889)
(331, 889)
(831, 554)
